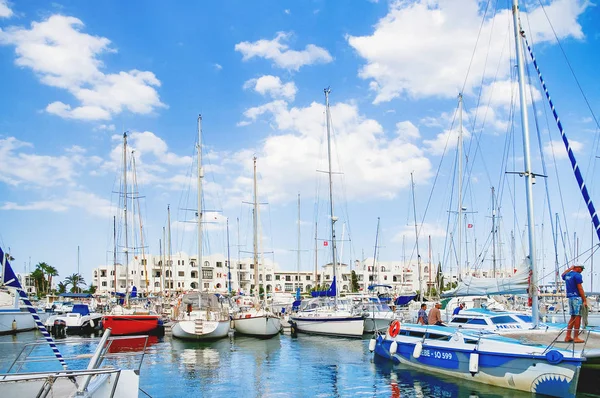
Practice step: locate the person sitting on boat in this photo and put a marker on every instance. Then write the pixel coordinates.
(576, 295)
(457, 309)
(435, 315)
(422, 315)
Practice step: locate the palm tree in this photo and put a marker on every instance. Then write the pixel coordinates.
(74, 280)
(61, 287)
(38, 280)
(51, 272)
(43, 268)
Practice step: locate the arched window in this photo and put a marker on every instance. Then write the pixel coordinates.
(156, 284)
(269, 288)
(194, 285)
(206, 264)
(269, 277)
(307, 288)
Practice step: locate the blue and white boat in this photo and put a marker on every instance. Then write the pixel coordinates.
(489, 357)
(485, 358)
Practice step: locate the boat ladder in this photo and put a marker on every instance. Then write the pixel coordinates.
(199, 326)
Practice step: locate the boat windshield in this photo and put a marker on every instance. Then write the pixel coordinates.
(503, 319)
(525, 318)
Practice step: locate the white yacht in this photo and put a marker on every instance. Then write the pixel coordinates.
(202, 316)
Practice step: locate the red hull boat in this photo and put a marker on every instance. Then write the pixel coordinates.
(123, 325)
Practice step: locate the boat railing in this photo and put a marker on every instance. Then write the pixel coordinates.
(572, 346)
(26, 355)
(72, 375)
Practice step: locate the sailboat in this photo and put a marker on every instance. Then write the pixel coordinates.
(201, 315)
(126, 320)
(257, 320)
(489, 358)
(324, 315)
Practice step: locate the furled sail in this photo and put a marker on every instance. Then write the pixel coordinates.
(518, 283)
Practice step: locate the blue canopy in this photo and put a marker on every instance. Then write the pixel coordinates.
(82, 309)
(371, 287)
(134, 291)
(403, 300)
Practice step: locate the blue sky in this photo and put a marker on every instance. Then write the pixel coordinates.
(75, 75)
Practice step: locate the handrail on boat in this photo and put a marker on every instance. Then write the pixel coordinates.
(105, 354)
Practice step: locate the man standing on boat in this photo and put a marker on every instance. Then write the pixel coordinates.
(435, 315)
(457, 309)
(576, 296)
(422, 315)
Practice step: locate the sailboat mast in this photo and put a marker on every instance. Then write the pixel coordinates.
(255, 234)
(420, 276)
(115, 253)
(460, 173)
(375, 255)
(125, 219)
(333, 218)
(228, 261)
(316, 258)
(493, 234)
(529, 176)
(298, 258)
(199, 204)
(170, 261)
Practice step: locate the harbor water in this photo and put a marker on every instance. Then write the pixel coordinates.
(306, 366)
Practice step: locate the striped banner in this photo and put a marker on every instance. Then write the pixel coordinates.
(10, 279)
(582, 187)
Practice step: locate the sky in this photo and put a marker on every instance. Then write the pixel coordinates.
(76, 75)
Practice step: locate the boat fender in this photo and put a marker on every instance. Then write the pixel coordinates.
(417, 350)
(393, 348)
(474, 363)
(372, 343)
(394, 328)
(554, 357)
(92, 324)
(293, 329)
(14, 325)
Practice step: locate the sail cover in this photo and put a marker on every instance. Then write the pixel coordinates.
(518, 283)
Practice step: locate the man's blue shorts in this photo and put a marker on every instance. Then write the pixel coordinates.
(575, 304)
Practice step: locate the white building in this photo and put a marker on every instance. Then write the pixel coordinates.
(181, 273)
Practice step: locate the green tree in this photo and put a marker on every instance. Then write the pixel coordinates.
(75, 281)
(38, 280)
(91, 290)
(354, 282)
(51, 272)
(61, 288)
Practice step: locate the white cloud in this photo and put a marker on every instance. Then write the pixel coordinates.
(92, 204)
(374, 165)
(559, 149)
(19, 167)
(444, 141)
(505, 94)
(218, 66)
(288, 12)
(272, 85)
(5, 11)
(425, 230)
(407, 131)
(279, 52)
(105, 127)
(419, 49)
(63, 56)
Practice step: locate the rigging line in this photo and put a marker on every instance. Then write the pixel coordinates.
(576, 170)
(475, 48)
(436, 175)
(489, 46)
(447, 239)
(570, 66)
(543, 159)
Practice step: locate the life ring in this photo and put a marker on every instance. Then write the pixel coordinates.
(394, 329)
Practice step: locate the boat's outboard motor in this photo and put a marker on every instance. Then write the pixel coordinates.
(59, 329)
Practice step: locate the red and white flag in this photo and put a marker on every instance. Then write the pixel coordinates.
(469, 225)
(325, 243)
